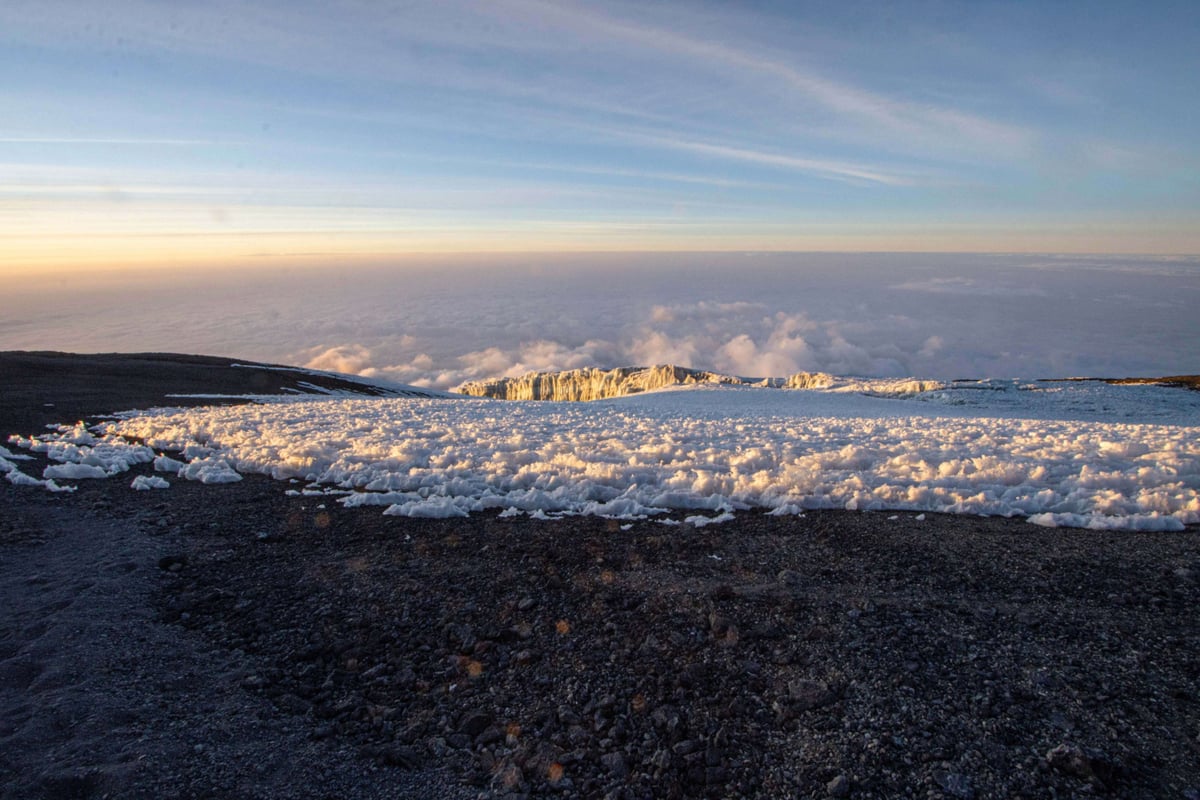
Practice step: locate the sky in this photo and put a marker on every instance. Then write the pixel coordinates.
(167, 135)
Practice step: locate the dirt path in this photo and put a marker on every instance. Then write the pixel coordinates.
(98, 698)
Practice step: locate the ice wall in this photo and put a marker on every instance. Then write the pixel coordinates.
(593, 383)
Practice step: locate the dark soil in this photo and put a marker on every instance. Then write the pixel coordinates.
(232, 641)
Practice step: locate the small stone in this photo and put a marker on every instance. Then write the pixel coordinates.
(474, 724)
(1090, 766)
(715, 776)
(766, 630)
(293, 704)
(172, 563)
(650, 645)
(526, 603)
(490, 735)
(616, 764)
(400, 756)
(808, 694)
(954, 784)
(685, 747)
(722, 592)
(789, 577)
(838, 787)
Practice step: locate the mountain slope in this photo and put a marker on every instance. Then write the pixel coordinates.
(39, 388)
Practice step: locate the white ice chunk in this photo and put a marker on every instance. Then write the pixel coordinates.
(18, 478)
(165, 463)
(145, 482)
(5, 454)
(74, 472)
(209, 470)
(699, 520)
(429, 508)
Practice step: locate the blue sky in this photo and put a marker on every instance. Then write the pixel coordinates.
(163, 132)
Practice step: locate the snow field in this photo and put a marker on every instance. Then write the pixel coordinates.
(717, 450)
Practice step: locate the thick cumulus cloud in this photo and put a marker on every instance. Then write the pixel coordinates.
(738, 338)
(352, 358)
(750, 340)
(745, 339)
(492, 362)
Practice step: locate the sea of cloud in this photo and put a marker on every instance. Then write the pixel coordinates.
(439, 321)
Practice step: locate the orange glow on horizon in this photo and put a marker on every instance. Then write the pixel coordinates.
(25, 254)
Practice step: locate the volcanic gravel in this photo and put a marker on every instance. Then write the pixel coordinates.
(232, 641)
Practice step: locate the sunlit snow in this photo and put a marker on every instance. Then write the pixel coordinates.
(1074, 454)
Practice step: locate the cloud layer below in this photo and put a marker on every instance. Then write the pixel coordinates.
(439, 322)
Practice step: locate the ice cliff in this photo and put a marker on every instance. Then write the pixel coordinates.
(594, 383)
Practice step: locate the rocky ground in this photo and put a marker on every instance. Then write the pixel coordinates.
(231, 641)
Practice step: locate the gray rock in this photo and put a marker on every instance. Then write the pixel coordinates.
(808, 694)
(838, 787)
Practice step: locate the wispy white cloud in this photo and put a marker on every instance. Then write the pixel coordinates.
(618, 172)
(116, 140)
(834, 170)
(564, 41)
(892, 115)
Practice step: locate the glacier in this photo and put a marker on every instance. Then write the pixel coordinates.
(594, 383)
(1079, 454)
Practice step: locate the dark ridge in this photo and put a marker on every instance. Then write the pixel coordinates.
(1175, 381)
(42, 388)
(1179, 381)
